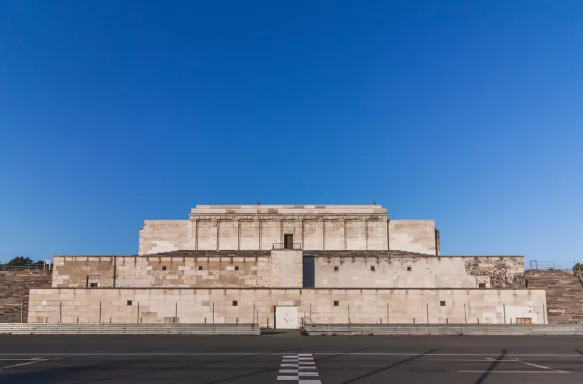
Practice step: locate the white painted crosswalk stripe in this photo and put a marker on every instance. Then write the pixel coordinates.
(299, 368)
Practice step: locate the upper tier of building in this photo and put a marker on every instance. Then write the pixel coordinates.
(306, 227)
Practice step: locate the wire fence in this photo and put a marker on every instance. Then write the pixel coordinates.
(28, 267)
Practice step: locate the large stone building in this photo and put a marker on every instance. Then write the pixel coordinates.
(277, 265)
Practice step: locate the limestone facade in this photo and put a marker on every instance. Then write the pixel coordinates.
(312, 227)
(156, 305)
(283, 269)
(332, 264)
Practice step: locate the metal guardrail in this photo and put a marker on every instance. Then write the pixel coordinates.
(6, 267)
(278, 246)
(130, 329)
(444, 329)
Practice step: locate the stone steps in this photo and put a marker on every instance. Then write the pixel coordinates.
(564, 293)
(14, 287)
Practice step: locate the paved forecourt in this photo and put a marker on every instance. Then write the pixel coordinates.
(275, 359)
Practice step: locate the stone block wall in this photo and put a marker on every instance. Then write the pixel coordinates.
(350, 227)
(390, 269)
(155, 305)
(284, 268)
(417, 236)
(181, 269)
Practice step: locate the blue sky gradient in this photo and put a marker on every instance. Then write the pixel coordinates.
(468, 113)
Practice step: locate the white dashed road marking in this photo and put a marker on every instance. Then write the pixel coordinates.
(299, 368)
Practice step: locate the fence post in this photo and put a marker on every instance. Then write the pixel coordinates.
(21, 310)
(504, 307)
(544, 315)
(427, 313)
(100, 312)
(253, 322)
(348, 308)
(138, 313)
(310, 311)
(60, 312)
(388, 318)
(213, 313)
(465, 314)
(176, 313)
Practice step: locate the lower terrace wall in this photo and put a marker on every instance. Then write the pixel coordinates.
(182, 269)
(281, 268)
(352, 269)
(68, 305)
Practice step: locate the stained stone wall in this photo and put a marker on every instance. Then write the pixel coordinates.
(378, 269)
(281, 268)
(155, 305)
(262, 227)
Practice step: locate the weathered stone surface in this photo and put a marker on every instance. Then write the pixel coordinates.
(14, 287)
(154, 305)
(327, 227)
(564, 294)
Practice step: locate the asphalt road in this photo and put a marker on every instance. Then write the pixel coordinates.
(309, 360)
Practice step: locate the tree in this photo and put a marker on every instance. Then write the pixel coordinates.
(19, 261)
(578, 267)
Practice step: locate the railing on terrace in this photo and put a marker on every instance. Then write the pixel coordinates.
(6, 267)
(296, 246)
(553, 266)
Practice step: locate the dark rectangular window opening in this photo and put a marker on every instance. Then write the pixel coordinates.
(336, 303)
(236, 267)
(372, 268)
(235, 303)
(442, 303)
(308, 272)
(482, 285)
(200, 267)
(335, 269)
(129, 302)
(526, 283)
(163, 267)
(288, 241)
(93, 285)
(408, 269)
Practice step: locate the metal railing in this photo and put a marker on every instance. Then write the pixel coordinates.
(6, 267)
(551, 265)
(444, 329)
(130, 329)
(295, 246)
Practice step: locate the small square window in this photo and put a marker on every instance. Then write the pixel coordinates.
(236, 267)
(335, 269)
(129, 302)
(200, 267)
(93, 285)
(235, 303)
(408, 269)
(163, 267)
(442, 303)
(482, 285)
(336, 303)
(372, 268)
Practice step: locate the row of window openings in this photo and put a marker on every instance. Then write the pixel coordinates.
(441, 303)
(235, 303)
(200, 268)
(373, 268)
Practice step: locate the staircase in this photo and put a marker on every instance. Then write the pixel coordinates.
(14, 286)
(564, 294)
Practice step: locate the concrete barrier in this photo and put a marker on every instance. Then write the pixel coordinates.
(130, 329)
(444, 329)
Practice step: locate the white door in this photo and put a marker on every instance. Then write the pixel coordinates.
(286, 317)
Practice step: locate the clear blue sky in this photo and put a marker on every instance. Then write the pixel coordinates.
(468, 113)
